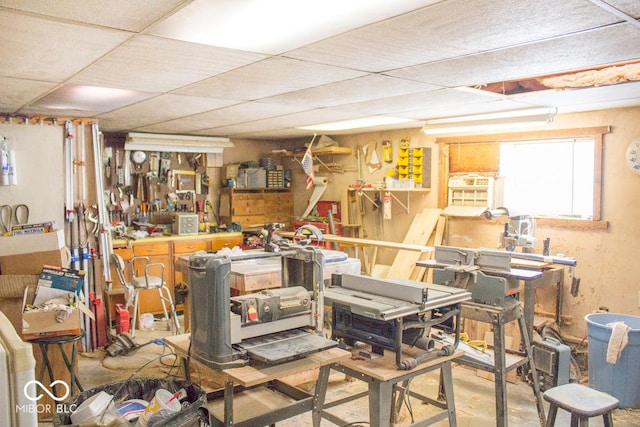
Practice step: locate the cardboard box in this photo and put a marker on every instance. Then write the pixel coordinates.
(43, 324)
(230, 171)
(30, 243)
(32, 263)
(58, 282)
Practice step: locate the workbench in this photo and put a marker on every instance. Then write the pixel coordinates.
(254, 394)
(389, 385)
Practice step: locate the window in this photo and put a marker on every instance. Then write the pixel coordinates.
(549, 177)
(555, 175)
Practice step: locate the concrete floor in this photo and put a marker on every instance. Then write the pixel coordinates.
(474, 396)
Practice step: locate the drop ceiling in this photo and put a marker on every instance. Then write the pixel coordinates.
(230, 68)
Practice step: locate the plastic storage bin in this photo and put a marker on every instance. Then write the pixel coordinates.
(193, 413)
(620, 379)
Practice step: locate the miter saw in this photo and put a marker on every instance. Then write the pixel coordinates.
(271, 326)
(387, 313)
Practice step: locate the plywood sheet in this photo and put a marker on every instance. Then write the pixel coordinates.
(483, 157)
(419, 232)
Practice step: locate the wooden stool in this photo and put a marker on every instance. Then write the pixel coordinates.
(582, 402)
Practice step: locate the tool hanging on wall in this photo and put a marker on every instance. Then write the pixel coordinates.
(103, 217)
(165, 166)
(9, 174)
(371, 157)
(387, 205)
(387, 151)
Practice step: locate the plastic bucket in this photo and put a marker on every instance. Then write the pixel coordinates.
(622, 379)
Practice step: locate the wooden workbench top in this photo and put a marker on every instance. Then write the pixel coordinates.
(252, 375)
(122, 243)
(384, 368)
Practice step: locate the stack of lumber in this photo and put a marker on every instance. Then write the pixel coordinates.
(427, 228)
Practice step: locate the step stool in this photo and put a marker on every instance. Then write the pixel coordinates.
(582, 402)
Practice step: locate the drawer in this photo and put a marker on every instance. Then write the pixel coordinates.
(151, 249)
(249, 221)
(125, 253)
(248, 207)
(230, 242)
(247, 196)
(190, 247)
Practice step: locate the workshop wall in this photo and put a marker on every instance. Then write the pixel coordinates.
(606, 258)
(374, 226)
(40, 171)
(607, 264)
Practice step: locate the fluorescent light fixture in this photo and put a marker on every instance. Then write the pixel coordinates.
(363, 122)
(176, 143)
(502, 120)
(274, 26)
(89, 98)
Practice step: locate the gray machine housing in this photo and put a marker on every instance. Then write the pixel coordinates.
(270, 326)
(553, 360)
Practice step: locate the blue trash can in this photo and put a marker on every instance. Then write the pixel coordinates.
(622, 379)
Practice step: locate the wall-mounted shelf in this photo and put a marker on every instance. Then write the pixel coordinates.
(318, 153)
(362, 192)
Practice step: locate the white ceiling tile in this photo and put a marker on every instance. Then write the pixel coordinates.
(315, 116)
(453, 28)
(132, 15)
(415, 101)
(15, 92)
(349, 91)
(155, 64)
(272, 76)
(573, 52)
(53, 51)
(234, 114)
(161, 108)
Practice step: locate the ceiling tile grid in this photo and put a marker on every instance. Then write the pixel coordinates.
(193, 66)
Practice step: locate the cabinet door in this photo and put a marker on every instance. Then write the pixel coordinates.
(182, 249)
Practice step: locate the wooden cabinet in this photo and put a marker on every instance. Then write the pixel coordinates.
(185, 248)
(219, 242)
(255, 207)
(280, 206)
(165, 250)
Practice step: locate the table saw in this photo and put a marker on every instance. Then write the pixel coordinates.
(387, 313)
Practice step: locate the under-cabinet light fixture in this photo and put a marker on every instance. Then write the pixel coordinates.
(177, 143)
(491, 121)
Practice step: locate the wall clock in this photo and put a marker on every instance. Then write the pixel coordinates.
(138, 158)
(632, 156)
